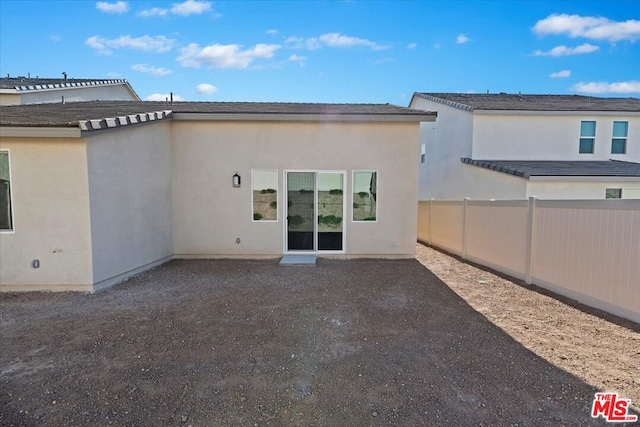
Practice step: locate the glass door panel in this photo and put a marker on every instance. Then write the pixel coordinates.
(301, 211)
(330, 211)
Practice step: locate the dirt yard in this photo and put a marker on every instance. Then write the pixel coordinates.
(343, 343)
(581, 341)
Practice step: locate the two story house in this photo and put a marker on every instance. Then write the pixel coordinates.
(513, 146)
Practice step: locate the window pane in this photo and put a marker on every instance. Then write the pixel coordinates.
(6, 220)
(586, 145)
(330, 210)
(264, 186)
(365, 196)
(588, 128)
(618, 146)
(613, 193)
(620, 129)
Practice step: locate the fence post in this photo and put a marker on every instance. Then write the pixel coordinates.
(531, 240)
(464, 227)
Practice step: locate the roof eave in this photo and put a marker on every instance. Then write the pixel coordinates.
(296, 117)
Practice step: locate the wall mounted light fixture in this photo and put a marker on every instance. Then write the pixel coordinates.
(236, 180)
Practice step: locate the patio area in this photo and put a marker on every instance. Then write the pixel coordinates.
(237, 342)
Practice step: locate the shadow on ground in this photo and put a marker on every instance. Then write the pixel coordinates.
(222, 342)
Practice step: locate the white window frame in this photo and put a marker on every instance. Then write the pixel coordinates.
(626, 137)
(595, 132)
(12, 207)
(277, 196)
(353, 186)
(423, 153)
(345, 201)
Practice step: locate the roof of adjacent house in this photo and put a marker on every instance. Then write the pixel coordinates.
(529, 168)
(73, 114)
(21, 84)
(520, 102)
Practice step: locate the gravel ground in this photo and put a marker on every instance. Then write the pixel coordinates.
(598, 348)
(231, 342)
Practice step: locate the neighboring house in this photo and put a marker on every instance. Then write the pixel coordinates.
(97, 191)
(26, 90)
(506, 146)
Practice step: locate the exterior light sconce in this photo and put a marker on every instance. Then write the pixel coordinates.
(236, 180)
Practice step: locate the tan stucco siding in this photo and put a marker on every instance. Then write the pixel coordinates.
(50, 214)
(130, 188)
(209, 214)
(9, 99)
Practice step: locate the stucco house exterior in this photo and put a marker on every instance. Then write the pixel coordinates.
(27, 90)
(97, 191)
(513, 146)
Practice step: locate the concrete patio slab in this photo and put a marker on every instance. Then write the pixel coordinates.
(298, 260)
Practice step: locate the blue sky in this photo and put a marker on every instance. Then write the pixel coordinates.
(328, 51)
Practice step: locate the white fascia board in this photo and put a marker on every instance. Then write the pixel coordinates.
(585, 178)
(554, 113)
(40, 132)
(9, 91)
(287, 117)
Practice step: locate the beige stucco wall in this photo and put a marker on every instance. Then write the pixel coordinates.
(130, 198)
(110, 92)
(595, 189)
(553, 136)
(51, 216)
(9, 98)
(209, 214)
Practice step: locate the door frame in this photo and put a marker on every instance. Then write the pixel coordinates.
(285, 213)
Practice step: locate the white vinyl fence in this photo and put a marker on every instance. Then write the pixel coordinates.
(588, 250)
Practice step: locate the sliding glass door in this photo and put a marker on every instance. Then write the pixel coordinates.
(314, 211)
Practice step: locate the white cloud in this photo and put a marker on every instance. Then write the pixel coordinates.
(462, 39)
(158, 44)
(163, 97)
(191, 7)
(154, 11)
(55, 38)
(271, 32)
(412, 45)
(632, 86)
(148, 69)
(560, 74)
(206, 89)
(341, 40)
(336, 40)
(563, 50)
(224, 56)
(590, 27)
(298, 58)
(118, 7)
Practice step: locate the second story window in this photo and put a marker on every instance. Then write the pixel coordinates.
(619, 140)
(423, 153)
(587, 137)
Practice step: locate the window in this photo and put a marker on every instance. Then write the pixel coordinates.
(619, 140)
(613, 193)
(264, 195)
(365, 196)
(587, 137)
(423, 153)
(6, 215)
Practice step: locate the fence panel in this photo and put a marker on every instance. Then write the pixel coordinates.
(446, 225)
(588, 250)
(496, 235)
